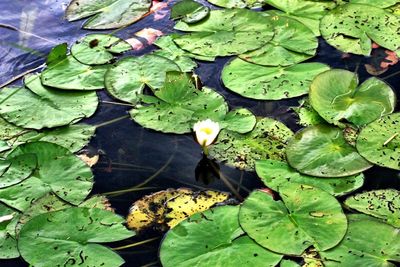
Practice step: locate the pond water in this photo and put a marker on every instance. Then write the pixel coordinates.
(129, 153)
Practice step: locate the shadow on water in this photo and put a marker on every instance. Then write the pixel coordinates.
(131, 154)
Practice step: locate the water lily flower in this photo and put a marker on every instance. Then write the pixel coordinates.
(206, 132)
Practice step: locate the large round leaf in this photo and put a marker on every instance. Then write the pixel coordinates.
(355, 34)
(225, 32)
(306, 216)
(97, 49)
(308, 12)
(127, 78)
(266, 141)
(213, 238)
(378, 3)
(60, 170)
(368, 242)
(336, 96)
(322, 151)
(275, 173)
(379, 142)
(384, 204)
(70, 237)
(238, 3)
(70, 74)
(107, 14)
(19, 168)
(293, 42)
(50, 107)
(270, 83)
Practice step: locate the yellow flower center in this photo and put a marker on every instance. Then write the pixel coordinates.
(207, 130)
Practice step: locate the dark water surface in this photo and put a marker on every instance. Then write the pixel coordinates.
(131, 154)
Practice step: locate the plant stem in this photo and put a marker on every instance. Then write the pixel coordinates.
(390, 75)
(137, 243)
(111, 121)
(390, 139)
(117, 103)
(115, 193)
(154, 263)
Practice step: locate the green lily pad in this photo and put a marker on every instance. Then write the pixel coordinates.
(179, 105)
(307, 115)
(126, 79)
(171, 51)
(379, 142)
(383, 204)
(377, 3)
(70, 74)
(57, 53)
(73, 185)
(107, 14)
(308, 12)
(72, 241)
(51, 107)
(361, 247)
(213, 238)
(19, 168)
(336, 96)
(225, 32)
(4, 146)
(293, 42)
(266, 141)
(306, 216)
(355, 34)
(288, 263)
(189, 11)
(322, 151)
(270, 83)
(98, 49)
(275, 173)
(8, 243)
(240, 120)
(238, 3)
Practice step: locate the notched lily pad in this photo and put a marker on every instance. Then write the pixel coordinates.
(307, 115)
(270, 83)
(98, 49)
(322, 151)
(337, 97)
(306, 216)
(379, 141)
(212, 238)
(18, 169)
(189, 11)
(266, 141)
(165, 209)
(383, 204)
(274, 173)
(72, 241)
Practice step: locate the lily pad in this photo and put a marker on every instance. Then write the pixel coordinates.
(377, 3)
(266, 141)
(72, 241)
(51, 107)
(238, 3)
(165, 209)
(337, 98)
(73, 185)
(293, 42)
(127, 78)
(8, 243)
(306, 216)
(70, 74)
(189, 11)
(171, 51)
(19, 168)
(361, 248)
(308, 12)
(213, 238)
(322, 151)
(98, 49)
(307, 115)
(107, 14)
(355, 34)
(379, 141)
(270, 83)
(240, 120)
(225, 32)
(275, 173)
(383, 204)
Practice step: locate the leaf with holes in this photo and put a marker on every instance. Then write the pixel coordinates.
(307, 115)
(337, 97)
(322, 151)
(107, 14)
(18, 169)
(72, 241)
(274, 173)
(213, 238)
(306, 216)
(266, 141)
(379, 141)
(238, 3)
(189, 11)
(270, 83)
(8, 242)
